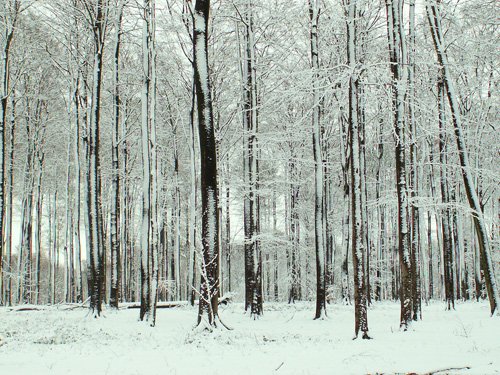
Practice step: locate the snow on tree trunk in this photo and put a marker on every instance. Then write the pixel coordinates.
(115, 167)
(357, 223)
(399, 82)
(413, 182)
(10, 14)
(209, 289)
(149, 226)
(319, 202)
(9, 170)
(445, 200)
(193, 203)
(253, 267)
(94, 196)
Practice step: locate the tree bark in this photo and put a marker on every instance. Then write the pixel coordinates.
(357, 223)
(209, 289)
(115, 167)
(396, 44)
(319, 202)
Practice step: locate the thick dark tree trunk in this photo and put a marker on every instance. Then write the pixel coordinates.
(209, 289)
(253, 266)
(94, 197)
(397, 45)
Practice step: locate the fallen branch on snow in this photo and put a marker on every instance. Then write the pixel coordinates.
(159, 305)
(447, 369)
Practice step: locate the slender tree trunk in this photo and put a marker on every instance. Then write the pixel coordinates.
(10, 13)
(446, 219)
(37, 236)
(414, 214)
(345, 156)
(381, 215)
(357, 223)
(77, 199)
(115, 188)
(8, 205)
(319, 202)
(193, 202)
(67, 230)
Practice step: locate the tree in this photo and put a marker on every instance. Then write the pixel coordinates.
(434, 18)
(149, 227)
(9, 16)
(399, 80)
(97, 17)
(319, 180)
(115, 191)
(413, 181)
(357, 223)
(209, 289)
(445, 200)
(251, 211)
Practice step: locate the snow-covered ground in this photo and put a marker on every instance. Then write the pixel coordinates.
(285, 341)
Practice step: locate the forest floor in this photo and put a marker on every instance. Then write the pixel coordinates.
(286, 340)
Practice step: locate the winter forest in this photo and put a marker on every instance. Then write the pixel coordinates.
(257, 182)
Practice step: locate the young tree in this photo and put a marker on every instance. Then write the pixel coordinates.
(115, 190)
(446, 231)
(319, 180)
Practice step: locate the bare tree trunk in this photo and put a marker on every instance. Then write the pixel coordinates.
(67, 230)
(446, 219)
(149, 219)
(253, 266)
(294, 230)
(8, 206)
(94, 195)
(193, 203)
(319, 201)
(10, 13)
(37, 236)
(381, 215)
(115, 188)
(209, 289)
(357, 223)
(345, 157)
(154, 262)
(77, 198)
(397, 45)
(413, 185)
